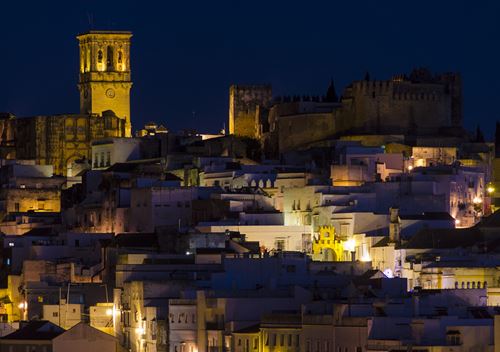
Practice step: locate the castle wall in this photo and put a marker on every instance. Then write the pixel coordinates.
(385, 107)
(299, 130)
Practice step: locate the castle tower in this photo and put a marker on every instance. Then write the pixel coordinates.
(243, 108)
(105, 80)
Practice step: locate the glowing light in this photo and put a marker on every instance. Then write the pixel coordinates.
(366, 258)
(477, 200)
(490, 189)
(457, 222)
(139, 331)
(350, 245)
(23, 305)
(388, 272)
(109, 312)
(410, 167)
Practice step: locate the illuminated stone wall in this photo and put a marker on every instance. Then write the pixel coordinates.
(23, 200)
(243, 107)
(300, 130)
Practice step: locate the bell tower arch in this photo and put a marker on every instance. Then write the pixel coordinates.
(105, 76)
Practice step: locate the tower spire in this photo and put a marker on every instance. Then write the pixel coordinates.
(331, 94)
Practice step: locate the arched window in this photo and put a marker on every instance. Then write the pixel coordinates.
(120, 58)
(109, 57)
(83, 55)
(99, 56)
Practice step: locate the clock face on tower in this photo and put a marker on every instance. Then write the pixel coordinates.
(110, 93)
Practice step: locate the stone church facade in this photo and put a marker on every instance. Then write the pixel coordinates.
(104, 85)
(61, 140)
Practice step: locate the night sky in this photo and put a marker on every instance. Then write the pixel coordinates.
(185, 54)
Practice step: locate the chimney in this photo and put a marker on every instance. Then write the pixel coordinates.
(394, 224)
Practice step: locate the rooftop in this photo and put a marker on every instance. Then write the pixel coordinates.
(36, 330)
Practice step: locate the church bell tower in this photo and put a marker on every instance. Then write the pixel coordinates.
(105, 80)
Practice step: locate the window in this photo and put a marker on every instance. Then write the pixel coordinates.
(99, 56)
(55, 314)
(109, 58)
(108, 159)
(239, 342)
(289, 340)
(282, 340)
(255, 343)
(16, 206)
(280, 245)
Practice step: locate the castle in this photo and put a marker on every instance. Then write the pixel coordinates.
(104, 86)
(418, 104)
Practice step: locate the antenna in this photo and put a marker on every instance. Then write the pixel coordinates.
(90, 18)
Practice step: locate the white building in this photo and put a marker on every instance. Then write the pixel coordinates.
(109, 151)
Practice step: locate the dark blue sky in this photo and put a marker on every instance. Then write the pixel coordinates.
(185, 54)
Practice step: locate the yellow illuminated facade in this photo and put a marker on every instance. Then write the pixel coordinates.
(327, 247)
(494, 185)
(105, 77)
(11, 303)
